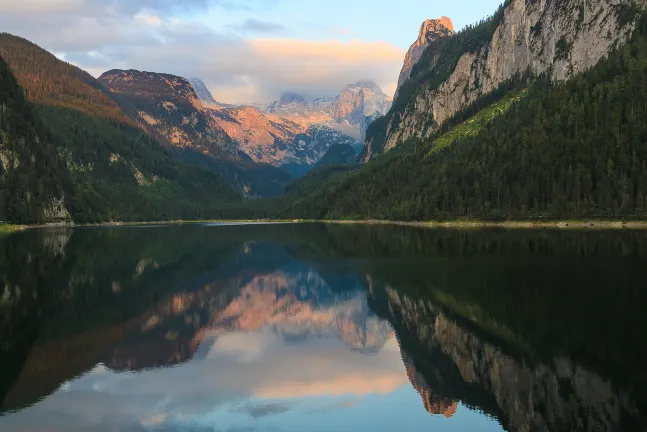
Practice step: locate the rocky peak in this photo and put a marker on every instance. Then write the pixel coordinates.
(150, 84)
(202, 91)
(430, 30)
(365, 85)
(358, 101)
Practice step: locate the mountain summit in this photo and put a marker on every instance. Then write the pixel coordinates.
(430, 30)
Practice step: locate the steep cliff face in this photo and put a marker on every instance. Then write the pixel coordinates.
(430, 30)
(562, 38)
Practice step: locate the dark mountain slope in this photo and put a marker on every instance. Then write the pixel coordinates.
(31, 178)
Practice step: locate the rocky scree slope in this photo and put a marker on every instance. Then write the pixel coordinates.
(561, 38)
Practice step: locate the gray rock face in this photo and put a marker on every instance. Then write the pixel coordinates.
(563, 38)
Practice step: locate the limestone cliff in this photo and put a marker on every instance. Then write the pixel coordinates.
(562, 38)
(430, 30)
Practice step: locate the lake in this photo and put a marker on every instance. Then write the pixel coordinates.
(322, 327)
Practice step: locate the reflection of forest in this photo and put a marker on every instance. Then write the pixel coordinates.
(516, 324)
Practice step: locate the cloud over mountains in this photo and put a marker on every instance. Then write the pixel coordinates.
(249, 60)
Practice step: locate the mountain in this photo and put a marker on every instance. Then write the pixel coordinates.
(476, 134)
(167, 107)
(31, 177)
(291, 134)
(277, 141)
(346, 113)
(202, 91)
(560, 39)
(430, 31)
(92, 160)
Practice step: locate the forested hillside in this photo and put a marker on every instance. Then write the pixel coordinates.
(31, 178)
(556, 150)
(108, 168)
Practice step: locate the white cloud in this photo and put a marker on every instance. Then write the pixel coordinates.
(149, 35)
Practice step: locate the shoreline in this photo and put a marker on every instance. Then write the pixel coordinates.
(557, 224)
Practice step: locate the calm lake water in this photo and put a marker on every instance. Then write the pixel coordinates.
(296, 327)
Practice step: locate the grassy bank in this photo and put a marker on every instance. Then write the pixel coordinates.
(466, 224)
(6, 228)
(572, 224)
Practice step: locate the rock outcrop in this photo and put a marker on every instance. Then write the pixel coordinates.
(430, 30)
(562, 38)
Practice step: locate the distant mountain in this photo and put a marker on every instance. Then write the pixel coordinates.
(291, 133)
(169, 108)
(202, 91)
(346, 113)
(80, 137)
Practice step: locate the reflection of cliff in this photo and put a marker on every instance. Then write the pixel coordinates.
(435, 404)
(524, 395)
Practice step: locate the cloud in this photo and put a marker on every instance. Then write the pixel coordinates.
(253, 25)
(99, 35)
(229, 381)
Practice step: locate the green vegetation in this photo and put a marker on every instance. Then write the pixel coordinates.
(338, 154)
(471, 128)
(6, 229)
(31, 177)
(73, 147)
(573, 150)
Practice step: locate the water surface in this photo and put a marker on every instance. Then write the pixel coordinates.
(294, 327)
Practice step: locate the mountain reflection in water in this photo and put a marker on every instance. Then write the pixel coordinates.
(320, 327)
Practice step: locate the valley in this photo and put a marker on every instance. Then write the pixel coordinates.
(478, 130)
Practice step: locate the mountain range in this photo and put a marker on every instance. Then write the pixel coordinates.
(533, 112)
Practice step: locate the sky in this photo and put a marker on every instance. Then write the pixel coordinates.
(246, 51)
